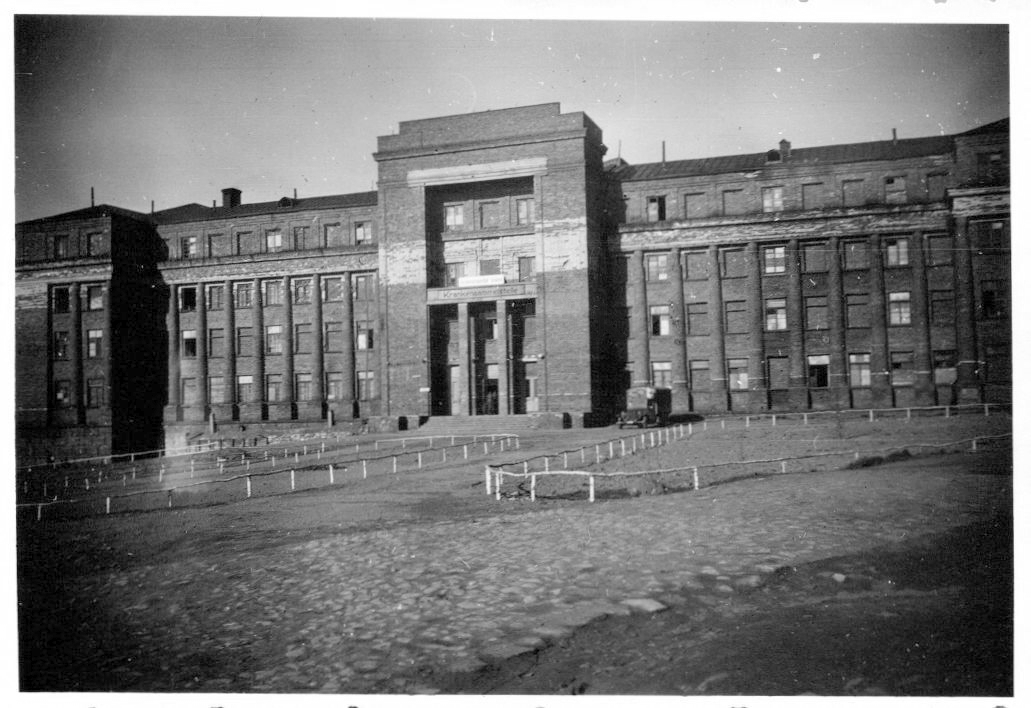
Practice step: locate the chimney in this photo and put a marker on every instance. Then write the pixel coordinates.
(231, 197)
(894, 137)
(785, 149)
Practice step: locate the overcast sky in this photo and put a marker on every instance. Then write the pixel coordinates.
(173, 109)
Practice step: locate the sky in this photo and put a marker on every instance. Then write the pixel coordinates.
(172, 109)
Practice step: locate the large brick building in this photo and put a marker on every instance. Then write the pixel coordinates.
(504, 267)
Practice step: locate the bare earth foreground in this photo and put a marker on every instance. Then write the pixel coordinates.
(892, 579)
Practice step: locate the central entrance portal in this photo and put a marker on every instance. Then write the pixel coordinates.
(477, 357)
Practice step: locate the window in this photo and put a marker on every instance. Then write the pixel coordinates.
(939, 250)
(211, 243)
(452, 272)
(454, 217)
(333, 289)
(216, 343)
(773, 199)
(697, 263)
(490, 266)
(662, 374)
(302, 387)
(737, 374)
(364, 337)
(943, 308)
(188, 247)
(59, 245)
(302, 237)
(303, 338)
(63, 393)
(895, 190)
(273, 387)
(659, 320)
(813, 196)
(366, 385)
(896, 252)
(733, 263)
(991, 167)
(216, 295)
(859, 370)
(814, 257)
(189, 340)
(490, 215)
(734, 202)
(332, 235)
(243, 243)
(333, 336)
(935, 187)
(773, 260)
(94, 297)
(856, 255)
(274, 339)
(364, 287)
(187, 298)
(527, 268)
(694, 206)
(524, 211)
(95, 243)
(362, 232)
(273, 292)
(776, 315)
(334, 385)
(216, 389)
(60, 299)
(656, 266)
(244, 341)
(777, 376)
(898, 308)
(736, 320)
(989, 237)
(242, 295)
(902, 372)
(301, 291)
(94, 343)
(816, 312)
(993, 299)
(852, 192)
(945, 367)
(188, 391)
(60, 345)
(699, 370)
(94, 393)
(244, 388)
(488, 328)
(273, 241)
(818, 370)
(697, 318)
(656, 208)
(857, 310)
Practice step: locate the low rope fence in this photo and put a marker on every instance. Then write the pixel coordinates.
(494, 475)
(259, 482)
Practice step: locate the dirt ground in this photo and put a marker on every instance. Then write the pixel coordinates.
(932, 615)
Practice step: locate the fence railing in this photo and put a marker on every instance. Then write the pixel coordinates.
(494, 475)
(396, 456)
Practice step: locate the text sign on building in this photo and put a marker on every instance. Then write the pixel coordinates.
(491, 292)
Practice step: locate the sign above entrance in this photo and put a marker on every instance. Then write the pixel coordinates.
(484, 292)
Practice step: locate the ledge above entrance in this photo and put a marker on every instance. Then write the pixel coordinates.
(525, 167)
(481, 292)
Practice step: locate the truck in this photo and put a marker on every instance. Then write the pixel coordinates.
(646, 405)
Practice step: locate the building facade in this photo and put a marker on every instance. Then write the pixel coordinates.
(504, 267)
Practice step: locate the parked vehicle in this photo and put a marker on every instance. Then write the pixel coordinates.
(645, 406)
